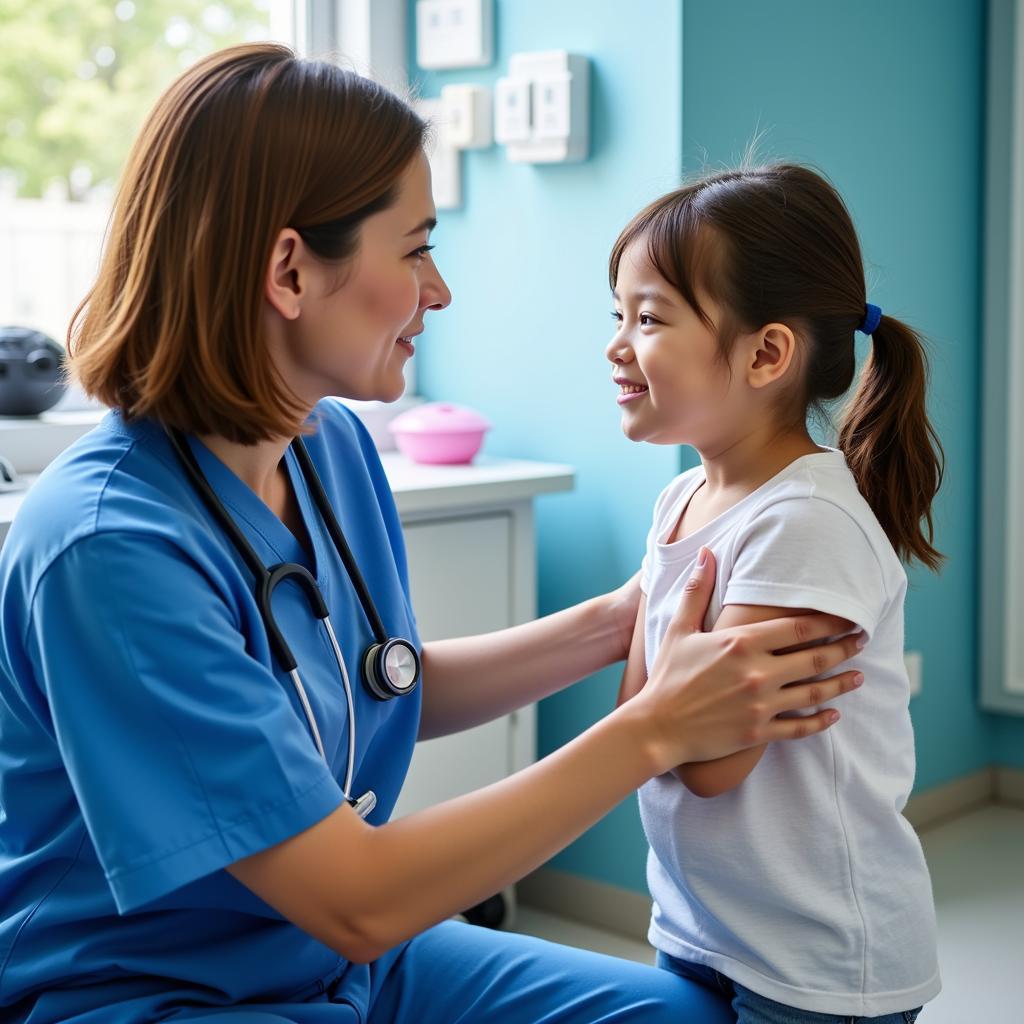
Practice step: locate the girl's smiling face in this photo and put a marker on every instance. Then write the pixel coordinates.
(675, 387)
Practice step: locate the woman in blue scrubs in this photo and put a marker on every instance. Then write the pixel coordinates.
(176, 842)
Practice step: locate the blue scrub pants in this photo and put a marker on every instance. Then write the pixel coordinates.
(456, 973)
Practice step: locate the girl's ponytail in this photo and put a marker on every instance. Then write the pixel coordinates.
(889, 443)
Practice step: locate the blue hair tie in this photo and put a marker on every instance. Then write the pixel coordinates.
(872, 318)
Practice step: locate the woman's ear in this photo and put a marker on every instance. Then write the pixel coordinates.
(284, 286)
(771, 353)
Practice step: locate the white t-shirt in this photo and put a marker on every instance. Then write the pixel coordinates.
(805, 883)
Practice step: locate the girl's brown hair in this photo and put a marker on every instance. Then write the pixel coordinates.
(776, 245)
(248, 141)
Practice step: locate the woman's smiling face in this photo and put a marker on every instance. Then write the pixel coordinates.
(355, 338)
(675, 388)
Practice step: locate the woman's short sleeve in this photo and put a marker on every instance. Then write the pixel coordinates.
(184, 751)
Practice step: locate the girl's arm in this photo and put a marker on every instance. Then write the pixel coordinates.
(475, 679)
(362, 889)
(711, 778)
(635, 673)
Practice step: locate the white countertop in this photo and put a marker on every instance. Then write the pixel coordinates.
(487, 481)
(424, 489)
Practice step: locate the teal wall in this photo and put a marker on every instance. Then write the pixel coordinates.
(886, 98)
(1009, 745)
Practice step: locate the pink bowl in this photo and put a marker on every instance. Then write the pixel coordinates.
(439, 433)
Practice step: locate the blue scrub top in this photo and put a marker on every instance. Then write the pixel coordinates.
(148, 739)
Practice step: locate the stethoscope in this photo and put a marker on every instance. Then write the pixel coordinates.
(390, 665)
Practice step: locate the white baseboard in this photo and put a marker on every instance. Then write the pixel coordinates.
(628, 913)
(595, 903)
(1009, 787)
(950, 800)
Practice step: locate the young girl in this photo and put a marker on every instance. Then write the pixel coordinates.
(799, 890)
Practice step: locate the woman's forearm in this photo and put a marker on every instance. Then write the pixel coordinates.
(477, 844)
(474, 679)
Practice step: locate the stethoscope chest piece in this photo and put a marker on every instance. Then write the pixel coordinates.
(391, 669)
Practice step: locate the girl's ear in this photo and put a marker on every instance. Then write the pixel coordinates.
(771, 352)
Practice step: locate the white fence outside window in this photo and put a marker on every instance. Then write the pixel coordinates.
(49, 255)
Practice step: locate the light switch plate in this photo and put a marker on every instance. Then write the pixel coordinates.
(454, 33)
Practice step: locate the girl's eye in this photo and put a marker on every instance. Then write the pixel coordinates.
(421, 252)
(616, 316)
(646, 320)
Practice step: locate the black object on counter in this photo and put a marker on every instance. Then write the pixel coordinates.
(31, 371)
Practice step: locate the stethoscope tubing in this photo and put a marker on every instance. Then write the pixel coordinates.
(267, 579)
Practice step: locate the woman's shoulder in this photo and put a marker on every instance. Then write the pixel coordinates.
(118, 478)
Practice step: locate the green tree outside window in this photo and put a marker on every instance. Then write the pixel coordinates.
(77, 78)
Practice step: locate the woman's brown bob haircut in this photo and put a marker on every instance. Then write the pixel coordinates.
(245, 143)
(776, 244)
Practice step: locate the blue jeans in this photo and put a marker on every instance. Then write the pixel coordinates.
(751, 1008)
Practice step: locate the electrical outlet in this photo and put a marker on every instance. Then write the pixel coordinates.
(914, 662)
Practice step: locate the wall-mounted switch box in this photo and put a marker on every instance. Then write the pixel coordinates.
(512, 110)
(551, 91)
(552, 102)
(454, 33)
(445, 160)
(467, 116)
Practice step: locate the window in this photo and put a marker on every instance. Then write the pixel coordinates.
(1001, 639)
(78, 81)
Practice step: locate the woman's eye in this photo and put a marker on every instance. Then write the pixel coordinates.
(421, 252)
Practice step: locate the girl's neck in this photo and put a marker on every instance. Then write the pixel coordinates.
(737, 470)
(744, 464)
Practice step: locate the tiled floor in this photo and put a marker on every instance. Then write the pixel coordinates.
(977, 866)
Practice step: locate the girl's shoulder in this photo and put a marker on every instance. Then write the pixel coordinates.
(813, 516)
(819, 490)
(677, 488)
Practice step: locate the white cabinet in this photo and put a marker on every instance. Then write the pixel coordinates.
(472, 565)
(461, 575)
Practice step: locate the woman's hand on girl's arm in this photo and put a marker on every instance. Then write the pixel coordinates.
(711, 778)
(724, 691)
(475, 679)
(362, 889)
